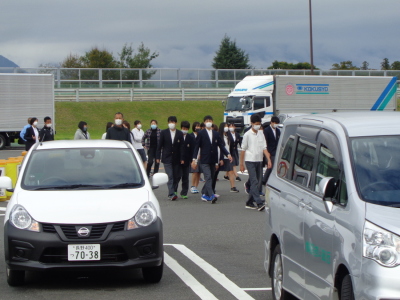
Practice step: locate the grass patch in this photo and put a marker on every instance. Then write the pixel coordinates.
(97, 114)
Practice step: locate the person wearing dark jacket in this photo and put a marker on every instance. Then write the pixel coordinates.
(170, 151)
(118, 131)
(47, 132)
(150, 141)
(272, 134)
(188, 147)
(32, 134)
(208, 142)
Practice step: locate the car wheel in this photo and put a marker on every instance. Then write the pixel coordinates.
(153, 274)
(346, 290)
(278, 293)
(15, 277)
(2, 142)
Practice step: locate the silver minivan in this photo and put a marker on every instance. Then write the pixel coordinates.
(333, 208)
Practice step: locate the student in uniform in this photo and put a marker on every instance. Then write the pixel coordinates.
(170, 152)
(47, 132)
(189, 143)
(150, 141)
(207, 144)
(32, 134)
(195, 172)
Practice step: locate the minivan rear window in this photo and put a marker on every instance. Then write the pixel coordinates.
(377, 169)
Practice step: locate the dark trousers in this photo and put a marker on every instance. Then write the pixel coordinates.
(215, 179)
(174, 174)
(255, 174)
(151, 153)
(185, 180)
(209, 172)
(268, 171)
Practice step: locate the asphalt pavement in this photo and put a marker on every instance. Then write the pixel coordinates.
(212, 251)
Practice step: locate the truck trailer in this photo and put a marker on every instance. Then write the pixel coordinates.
(269, 95)
(23, 96)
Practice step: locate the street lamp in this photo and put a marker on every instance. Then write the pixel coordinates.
(311, 41)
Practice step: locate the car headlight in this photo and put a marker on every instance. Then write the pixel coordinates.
(21, 219)
(145, 216)
(381, 245)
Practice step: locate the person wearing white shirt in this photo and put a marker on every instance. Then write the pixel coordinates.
(254, 147)
(137, 135)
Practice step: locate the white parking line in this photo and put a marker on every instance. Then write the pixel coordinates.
(213, 272)
(188, 279)
(257, 289)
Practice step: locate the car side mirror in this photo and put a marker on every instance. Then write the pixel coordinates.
(327, 186)
(280, 125)
(159, 179)
(5, 183)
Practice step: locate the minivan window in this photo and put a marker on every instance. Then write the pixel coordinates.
(285, 154)
(327, 166)
(304, 159)
(82, 168)
(377, 169)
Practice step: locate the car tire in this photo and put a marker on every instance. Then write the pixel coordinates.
(153, 274)
(278, 293)
(15, 277)
(3, 142)
(346, 290)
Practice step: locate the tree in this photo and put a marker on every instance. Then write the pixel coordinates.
(72, 61)
(344, 65)
(290, 66)
(364, 65)
(229, 56)
(385, 64)
(395, 65)
(141, 60)
(96, 58)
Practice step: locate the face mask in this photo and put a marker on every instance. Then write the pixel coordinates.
(208, 124)
(48, 125)
(118, 122)
(34, 124)
(226, 129)
(85, 129)
(197, 129)
(231, 129)
(184, 131)
(153, 126)
(171, 126)
(274, 125)
(139, 126)
(256, 127)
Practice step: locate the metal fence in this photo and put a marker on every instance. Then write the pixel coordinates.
(85, 78)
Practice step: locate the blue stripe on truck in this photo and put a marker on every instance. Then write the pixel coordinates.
(386, 95)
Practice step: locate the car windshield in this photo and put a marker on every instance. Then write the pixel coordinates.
(86, 168)
(238, 104)
(377, 169)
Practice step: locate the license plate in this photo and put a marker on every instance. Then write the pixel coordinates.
(83, 252)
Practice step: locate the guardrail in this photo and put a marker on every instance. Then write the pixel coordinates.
(79, 95)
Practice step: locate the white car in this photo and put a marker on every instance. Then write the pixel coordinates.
(83, 204)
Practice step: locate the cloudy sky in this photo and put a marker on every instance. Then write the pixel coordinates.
(187, 33)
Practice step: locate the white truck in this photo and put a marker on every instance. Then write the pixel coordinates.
(269, 95)
(23, 96)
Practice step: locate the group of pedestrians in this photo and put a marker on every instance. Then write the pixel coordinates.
(208, 150)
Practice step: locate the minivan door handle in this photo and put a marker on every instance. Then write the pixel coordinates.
(309, 207)
(302, 204)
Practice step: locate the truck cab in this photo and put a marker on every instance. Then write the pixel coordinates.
(253, 95)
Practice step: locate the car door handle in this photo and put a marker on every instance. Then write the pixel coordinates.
(309, 207)
(302, 204)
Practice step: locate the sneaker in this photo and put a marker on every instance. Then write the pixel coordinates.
(205, 198)
(193, 190)
(184, 197)
(174, 197)
(238, 179)
(213, 199)
(251, 206)
(226, 177)
(262, 194)
(246, 188)
(216, 195)
(201, 179)
(261, 206)
(234, 190)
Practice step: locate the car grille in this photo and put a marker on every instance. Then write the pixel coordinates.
(60, 256)
(96, 230)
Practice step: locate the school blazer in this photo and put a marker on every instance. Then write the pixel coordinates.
(208, 149)
(188, 148)
(233, 144)
(272, 142)
(168, 152)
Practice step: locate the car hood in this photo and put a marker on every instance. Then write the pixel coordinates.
(83, 206)
(384, 216)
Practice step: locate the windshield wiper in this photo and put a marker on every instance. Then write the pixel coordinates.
(124, 185)
(65, 187)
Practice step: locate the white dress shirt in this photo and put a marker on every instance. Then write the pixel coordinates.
(254, 144)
